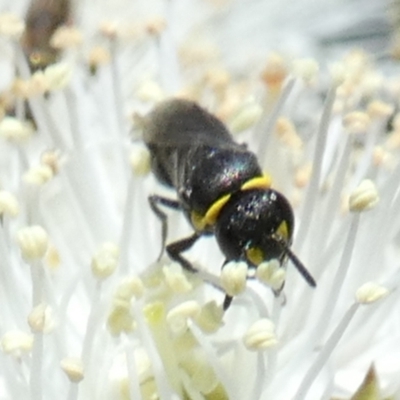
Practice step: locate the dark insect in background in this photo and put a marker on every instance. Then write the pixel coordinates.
(42, 19)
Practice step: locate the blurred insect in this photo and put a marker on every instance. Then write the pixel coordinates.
(42, 20)
(220, 188)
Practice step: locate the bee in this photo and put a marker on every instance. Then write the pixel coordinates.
(42, 20)
(220, 188)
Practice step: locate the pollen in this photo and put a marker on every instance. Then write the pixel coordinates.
(73, 368)
(66, 37)
(234, 277)
(20, 88)
(98, 56)
(275, 72)
(201, 373)
(338, 73)
(379, 109)
(37, 85)
(52, 258)
(247, 116)
(210, 317)
(109, 29)
(120, 319)
(57, 76)
(371, 292)
(16, 343)
(178, 316)
(155, 26)
(38, 175)
(11, 25)
(306, 69)
(8, 204)
(150, 91)
(40, 319)
(218, 79)
(33, 242)
(195, 51)
(105, 260)
(15, 130)
(356, 122)
(381, 157)
(52, 159)
(176, 279)
(260, 335)
(271, 274)
(129, 287)
(364, 198)
(303, 175)
(286, 131)
(140, 160)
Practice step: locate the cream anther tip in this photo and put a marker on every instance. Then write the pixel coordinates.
(260, 335)
(364, 197)
(371, 292)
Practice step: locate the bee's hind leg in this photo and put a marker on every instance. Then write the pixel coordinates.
(156, 202)
(175, 249)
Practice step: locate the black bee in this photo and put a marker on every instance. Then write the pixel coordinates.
(220, 188)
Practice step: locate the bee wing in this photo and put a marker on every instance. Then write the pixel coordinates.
(190, 138)
(177, 123)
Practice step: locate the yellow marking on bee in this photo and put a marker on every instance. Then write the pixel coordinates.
(283, 231)
(259, 182)
(255, 255)
(201, 222)
(213, 212)
(198, 221)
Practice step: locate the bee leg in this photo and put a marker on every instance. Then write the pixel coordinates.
(155, 203)
(227, 302)
(175, 249)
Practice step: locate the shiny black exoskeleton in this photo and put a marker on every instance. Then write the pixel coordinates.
(220, 188)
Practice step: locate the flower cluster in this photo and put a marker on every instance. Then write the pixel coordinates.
(88, 308)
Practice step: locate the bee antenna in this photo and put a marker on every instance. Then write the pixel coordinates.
(300, 267)
(297, 263)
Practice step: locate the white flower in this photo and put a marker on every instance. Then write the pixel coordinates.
(85, 298)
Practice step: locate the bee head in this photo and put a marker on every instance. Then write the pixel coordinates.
(254, 224)
(257, 225)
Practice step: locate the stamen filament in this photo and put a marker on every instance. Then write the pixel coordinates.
(35, 380)
(134, 384)
(73, 391)
(307, 213)
(332, 206)
(337, 284)
(127, 225)
(323, 356)
(263, 129)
